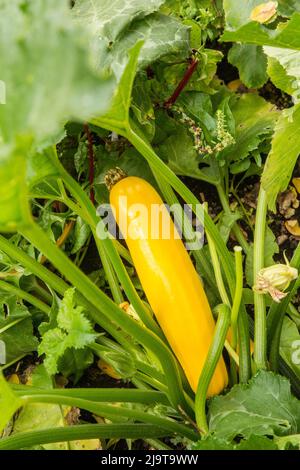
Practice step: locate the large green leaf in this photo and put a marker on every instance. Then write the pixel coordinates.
(14, 210)
(46, 70)
(48, 78)
(108, 18)
(283, 155)
(117, 25)
(162, 35)
(254, 33)
(117, 118)
(264, 407)
(251, 63)
(238, 14)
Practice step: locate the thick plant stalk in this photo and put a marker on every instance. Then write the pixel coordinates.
(237, 295)
(212, 359)
(112, 411)
(83, 431)
(260, 325)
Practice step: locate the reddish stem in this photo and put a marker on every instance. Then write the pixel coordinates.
(183, 83)
(91, 161)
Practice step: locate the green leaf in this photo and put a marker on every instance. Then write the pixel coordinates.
(290, 345)
(74, 362)
(38, 416)
(283, 155)
(257, 443)
(252, 443)
(162, 36)
(117, 118)
(212, 443)
(279, 77)
(108, 18)
(264, 406)
(80, 235)
(289, 60)
(226, 223)
(48, 79)
(16, 330)
(142, 106)
(255, 119)
(14, 210)
(117, 26)
(254, 33)
(40, 167)
(288, 442)
(9, 403)
(179, 151)
(238, 14)
(73, 331)
(251, 63)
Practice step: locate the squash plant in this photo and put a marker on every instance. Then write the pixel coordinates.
(90, 68)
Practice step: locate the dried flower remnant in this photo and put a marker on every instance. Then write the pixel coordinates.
(274, 280)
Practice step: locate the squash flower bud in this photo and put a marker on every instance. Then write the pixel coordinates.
(274, 280)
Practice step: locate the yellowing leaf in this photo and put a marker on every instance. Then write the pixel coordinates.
(264, 12)
(88, 444)
(293, 227)
(108, 370)
(296, 183)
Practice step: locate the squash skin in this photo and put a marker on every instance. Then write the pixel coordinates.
(169, 279)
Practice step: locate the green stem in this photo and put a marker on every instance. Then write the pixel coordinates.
(110, 274)
(112, 395)
(81, 432)
(110, 310)
(213, 357)
(235, 228)
(5, 286)
(237, 295)
(217, 269)
(260, 327)
(112, 411)
(157, 445)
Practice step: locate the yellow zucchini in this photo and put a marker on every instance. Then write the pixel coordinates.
(169, 279)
